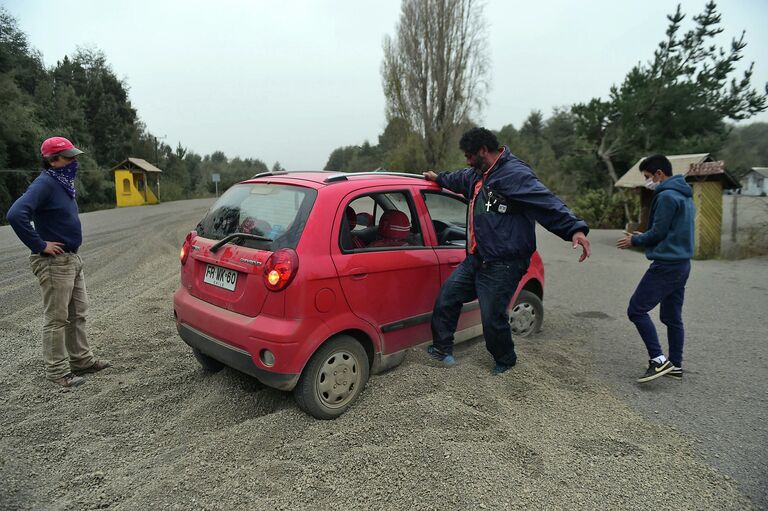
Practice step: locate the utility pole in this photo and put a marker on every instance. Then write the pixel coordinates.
(157, 164)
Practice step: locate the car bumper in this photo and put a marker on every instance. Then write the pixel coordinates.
(238, 341)
(235, 358)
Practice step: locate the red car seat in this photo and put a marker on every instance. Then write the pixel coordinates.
(357, 241)
(394, 229)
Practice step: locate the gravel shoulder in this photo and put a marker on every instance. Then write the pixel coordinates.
(722, 404)
(154, 431)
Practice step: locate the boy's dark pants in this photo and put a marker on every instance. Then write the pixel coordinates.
(663, 283)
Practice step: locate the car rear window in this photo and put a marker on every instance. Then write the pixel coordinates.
(275, 211)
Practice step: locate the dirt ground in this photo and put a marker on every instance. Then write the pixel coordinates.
(155, 432)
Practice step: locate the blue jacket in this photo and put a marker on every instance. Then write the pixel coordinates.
(511, 234)
(53, 211)
(670, 229)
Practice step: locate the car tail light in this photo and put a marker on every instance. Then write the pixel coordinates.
(280, 269)
(186, 247)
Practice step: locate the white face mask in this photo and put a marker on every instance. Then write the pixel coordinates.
(650, 184)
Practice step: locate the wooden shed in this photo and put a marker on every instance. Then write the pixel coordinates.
(708, 179)
(132, 183)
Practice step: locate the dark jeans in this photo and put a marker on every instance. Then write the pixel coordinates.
(493, 285)
(663, 283)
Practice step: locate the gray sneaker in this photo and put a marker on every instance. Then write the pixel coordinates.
(97, 366)
(69, 380)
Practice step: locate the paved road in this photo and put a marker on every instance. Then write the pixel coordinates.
(723, 400)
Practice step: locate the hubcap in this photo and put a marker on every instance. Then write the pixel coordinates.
(522, 318)
(338, 379)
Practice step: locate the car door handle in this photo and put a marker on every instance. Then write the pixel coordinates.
(358, 273)
(453, 262)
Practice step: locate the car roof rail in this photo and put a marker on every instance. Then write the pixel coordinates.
(270, 173)
(344, 176)
(286, 172)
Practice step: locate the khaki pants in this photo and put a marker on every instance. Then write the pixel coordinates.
(65, 304)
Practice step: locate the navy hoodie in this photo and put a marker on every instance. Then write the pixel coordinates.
(512, 235)
(670, 230)
(54, 212)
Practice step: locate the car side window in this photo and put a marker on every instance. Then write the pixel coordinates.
(380, 221)
(449, 218)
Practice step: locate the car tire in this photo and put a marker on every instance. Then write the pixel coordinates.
(526, 315)
(333, 379)
(209, 365)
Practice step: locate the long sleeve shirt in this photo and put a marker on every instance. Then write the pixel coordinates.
(52, 211)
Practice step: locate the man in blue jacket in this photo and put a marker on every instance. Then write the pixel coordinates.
(506, 200)
(668, 243)
(54, 240)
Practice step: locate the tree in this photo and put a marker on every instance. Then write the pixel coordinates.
(746, 147)
(82, 99)
(20, 130)
(677, 102)
(560, 131)
(531, 144)
(355, 158)
(110, 118)
(434, 71)
(17, 56)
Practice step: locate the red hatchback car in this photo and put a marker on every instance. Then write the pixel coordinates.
(311, 281)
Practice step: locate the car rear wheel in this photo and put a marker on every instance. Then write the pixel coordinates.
(526, 315)
(333, 379)
(210, 365)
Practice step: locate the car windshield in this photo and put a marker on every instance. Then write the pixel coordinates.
(274, 211)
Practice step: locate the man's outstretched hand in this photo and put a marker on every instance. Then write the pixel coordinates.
(581, 239)
(429, 175)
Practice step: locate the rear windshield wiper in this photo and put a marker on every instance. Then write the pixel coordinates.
(235, 236)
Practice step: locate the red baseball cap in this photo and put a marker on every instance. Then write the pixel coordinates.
(59, 146)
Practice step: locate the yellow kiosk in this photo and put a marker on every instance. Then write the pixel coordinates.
(132, 183)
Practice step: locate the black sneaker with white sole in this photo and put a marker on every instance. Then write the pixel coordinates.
(676, 373)
(655, 370)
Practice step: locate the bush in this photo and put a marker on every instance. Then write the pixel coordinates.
(601, 210)
(171, 190)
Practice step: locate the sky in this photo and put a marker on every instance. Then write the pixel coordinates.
(290, 81)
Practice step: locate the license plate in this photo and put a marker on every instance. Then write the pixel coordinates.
(220, 277)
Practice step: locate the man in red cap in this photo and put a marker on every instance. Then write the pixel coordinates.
(54, 240)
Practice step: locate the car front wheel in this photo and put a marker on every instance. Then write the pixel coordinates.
(526, 315)
(333, 379)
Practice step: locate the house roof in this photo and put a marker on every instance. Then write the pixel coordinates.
(712, 171)
(136, 164)
(763, 171)
(681, 164)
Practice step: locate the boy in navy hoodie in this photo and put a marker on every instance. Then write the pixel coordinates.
(668, 243)
(46, 220)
